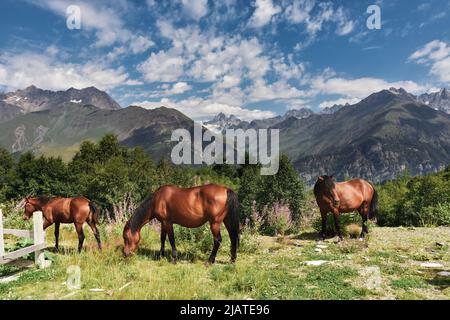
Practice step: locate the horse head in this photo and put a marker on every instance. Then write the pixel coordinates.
(29, 207)
(131, 239)
(326, 185)
(33, 204)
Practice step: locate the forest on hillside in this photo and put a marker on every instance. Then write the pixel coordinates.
(117, 179)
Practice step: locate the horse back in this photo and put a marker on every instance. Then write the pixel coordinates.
(359, 187)
(190, 206)
(68, 210)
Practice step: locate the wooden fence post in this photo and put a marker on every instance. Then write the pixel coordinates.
(2, 244)
(39, 238)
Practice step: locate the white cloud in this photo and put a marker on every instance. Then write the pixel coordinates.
(264, 11)
(20, 71)
(178, 88)
(203, 56)
(314, 16)
(106, 22)
(434, 50)
(140, 44)
(196, 9)
(278, 90)
(441, 69)
(360, 87)
(435, 54)
(198, 108)
(229, 81)
(162, 66)
(299, 11)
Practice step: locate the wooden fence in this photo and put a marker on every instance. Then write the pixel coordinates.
(38, 236)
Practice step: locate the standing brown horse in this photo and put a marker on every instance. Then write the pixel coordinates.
(342, 197)
(65, 210)
(191, 208)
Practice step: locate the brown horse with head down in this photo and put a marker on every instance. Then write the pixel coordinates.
(191, 208)
(65, 210)
(342, 197)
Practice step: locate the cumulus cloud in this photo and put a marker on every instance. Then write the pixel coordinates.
(198, 108)
(196, 9)
(436, 55)
(314, 15)
(178, 88)
(205, 57)
(279, 90)
(264, 11)
(20, 71)
(105, 22)
(360, 87)
(162, 66)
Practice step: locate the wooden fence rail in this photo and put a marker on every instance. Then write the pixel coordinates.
(38, 235)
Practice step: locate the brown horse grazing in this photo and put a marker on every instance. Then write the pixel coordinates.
(191, 208)
(65, 210)
(342, 197)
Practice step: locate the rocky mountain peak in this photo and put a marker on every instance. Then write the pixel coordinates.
(33, 99)
(299, 113)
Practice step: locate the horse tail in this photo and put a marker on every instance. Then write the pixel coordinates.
(373, 210)
(233, 217)
(93, 212)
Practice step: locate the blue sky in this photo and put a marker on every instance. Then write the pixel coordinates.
(254, 59)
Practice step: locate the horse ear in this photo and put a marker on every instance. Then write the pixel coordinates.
(321, 178)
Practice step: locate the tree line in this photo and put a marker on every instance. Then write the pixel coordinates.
(119, 178)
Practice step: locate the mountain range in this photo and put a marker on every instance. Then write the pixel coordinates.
(55, 123)
(377, 138)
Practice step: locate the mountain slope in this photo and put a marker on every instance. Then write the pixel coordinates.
(59, 131)
(376, 139)
(437, 100)
(8, 111)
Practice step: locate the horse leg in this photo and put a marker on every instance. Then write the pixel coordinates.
(215, 230)
(163, 242)
(56, 235)
(169, 231)
(234, 241)
(337, 224)
(364, 211)
(96, 234)
(323, 214)
(79, 228)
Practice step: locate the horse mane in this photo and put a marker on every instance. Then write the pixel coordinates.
(139, 214)
(43, 199)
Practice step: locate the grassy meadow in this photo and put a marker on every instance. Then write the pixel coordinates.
(386, 265)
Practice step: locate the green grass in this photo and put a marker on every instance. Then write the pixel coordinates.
(267, 267)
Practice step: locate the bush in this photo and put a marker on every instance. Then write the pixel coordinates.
(276, 219)
(418, 201)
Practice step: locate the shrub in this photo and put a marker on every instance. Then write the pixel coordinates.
(277, 219)
(418, 201)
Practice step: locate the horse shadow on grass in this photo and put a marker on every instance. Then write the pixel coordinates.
(440, 282)
(310, 235)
